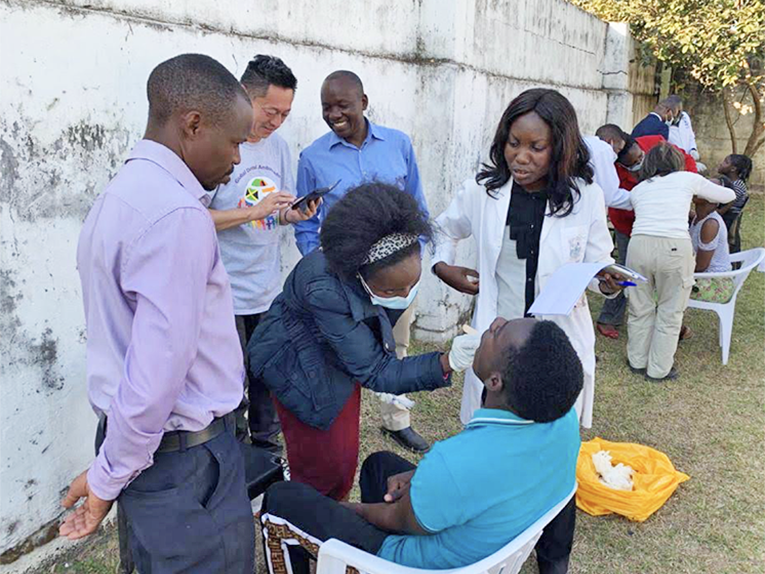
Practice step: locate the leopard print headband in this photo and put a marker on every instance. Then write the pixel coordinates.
(389, 245)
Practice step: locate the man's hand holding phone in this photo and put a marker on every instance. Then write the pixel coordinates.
(301, 204)
(275, 201)
(290, 215)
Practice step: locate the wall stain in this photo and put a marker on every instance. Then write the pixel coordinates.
(45, 355)
(44, 535)
(49, 188)
(17, 347)
(88, 137)
(12, 527)
(9, 165)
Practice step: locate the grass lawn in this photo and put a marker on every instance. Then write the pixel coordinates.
(711, 423)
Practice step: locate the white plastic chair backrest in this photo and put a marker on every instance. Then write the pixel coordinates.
(760, 259)
(507, 560)
(749, 259)
(520, 547)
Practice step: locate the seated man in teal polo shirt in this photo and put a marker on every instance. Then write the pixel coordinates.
(474, 492)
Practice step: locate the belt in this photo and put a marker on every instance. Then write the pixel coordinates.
(181, 440)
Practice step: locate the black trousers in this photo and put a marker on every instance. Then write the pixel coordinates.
(324, 518)
(263, 422)
(732, 221)
(189, 512)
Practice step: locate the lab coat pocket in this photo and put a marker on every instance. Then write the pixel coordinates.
(574, 243)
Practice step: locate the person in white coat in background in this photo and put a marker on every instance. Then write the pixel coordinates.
(532, 209)
(602, 161)
(681, 133)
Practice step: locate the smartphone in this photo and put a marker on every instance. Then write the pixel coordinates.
(314, 195)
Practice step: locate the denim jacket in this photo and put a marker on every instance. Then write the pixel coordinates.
(321, 336)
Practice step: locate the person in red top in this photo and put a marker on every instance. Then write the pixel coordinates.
(630, 154)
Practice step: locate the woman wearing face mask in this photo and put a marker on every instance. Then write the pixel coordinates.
(532, 209)
(330, 332)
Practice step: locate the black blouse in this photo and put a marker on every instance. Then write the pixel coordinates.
(524, 217)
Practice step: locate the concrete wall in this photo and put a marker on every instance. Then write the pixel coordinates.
(713, 138)
(72, 97)
(630, 85)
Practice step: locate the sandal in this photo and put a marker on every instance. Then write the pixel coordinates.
(607, 331)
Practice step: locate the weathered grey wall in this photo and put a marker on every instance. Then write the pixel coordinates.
(72, 104)
(713, 137)
(629, 84)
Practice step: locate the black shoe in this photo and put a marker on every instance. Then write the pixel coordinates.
(409, 439)
(670, 376)
(635, 370)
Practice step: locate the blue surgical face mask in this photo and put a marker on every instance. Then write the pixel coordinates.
(394, 303)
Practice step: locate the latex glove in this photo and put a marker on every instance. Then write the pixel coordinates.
(463, 350)
(399, 401)
(695, 154)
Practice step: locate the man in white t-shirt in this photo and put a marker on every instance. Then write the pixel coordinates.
(247, 211)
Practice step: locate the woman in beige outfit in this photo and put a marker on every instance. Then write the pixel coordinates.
(661, 250)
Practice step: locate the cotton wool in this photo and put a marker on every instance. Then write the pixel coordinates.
(618, 477)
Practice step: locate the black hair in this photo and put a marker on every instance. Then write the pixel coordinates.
(611, 131)
(346, 75)
(726, 182)
(629, 142)
(661, 159)
(192, 82)
(570, 157)
(742, 163)
(673, 102)
(263, 71)
(543, 378)
(365, 215)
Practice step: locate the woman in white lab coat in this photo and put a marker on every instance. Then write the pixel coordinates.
(532, 209)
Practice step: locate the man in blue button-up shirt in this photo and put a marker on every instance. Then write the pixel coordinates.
(357, 151)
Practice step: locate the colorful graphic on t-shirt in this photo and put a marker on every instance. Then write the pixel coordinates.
(257, 190)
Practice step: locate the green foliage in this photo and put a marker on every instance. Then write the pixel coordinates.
(719, 43)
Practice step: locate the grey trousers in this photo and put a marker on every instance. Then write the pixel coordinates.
(613, 310)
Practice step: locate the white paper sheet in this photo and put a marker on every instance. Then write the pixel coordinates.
(564, 288)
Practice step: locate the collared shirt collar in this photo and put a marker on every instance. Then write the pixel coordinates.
(657, 115)
(373, 131)
(497, 417)
(168, 160)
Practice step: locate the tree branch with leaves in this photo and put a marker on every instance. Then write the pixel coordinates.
(719, 43)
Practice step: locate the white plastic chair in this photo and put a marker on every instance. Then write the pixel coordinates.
(335, 556)
(749, 259)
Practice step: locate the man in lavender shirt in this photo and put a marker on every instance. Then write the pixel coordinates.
(165, 366)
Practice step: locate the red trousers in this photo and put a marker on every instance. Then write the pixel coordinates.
(324, 459)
